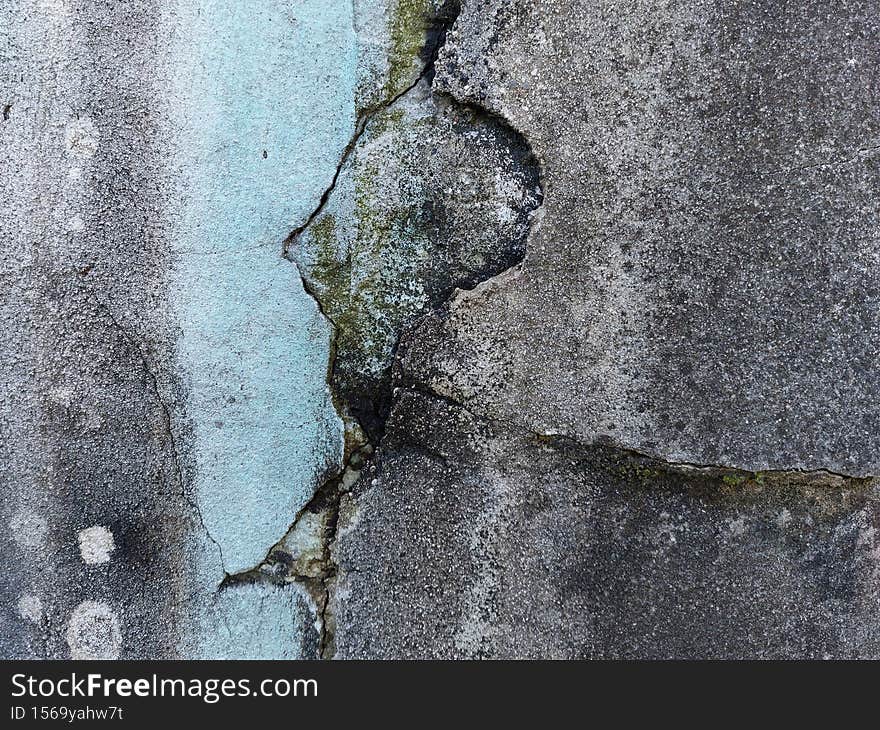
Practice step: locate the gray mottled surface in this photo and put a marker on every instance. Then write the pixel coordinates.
(703, 282)
(473, 539)
(700, 285)
(83, 430)
(609, 271)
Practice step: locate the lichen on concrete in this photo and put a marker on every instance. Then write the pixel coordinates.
(396, 41)
(426, 328)
(654, 437)
(434, 197)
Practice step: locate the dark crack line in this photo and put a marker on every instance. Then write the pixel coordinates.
(325, 650)
(319, 501)
(789, 472)
(813, 165)
(328, 493)
(326, 500)
(166, 418)
(414, 386)
(445, 18)
(363, 120)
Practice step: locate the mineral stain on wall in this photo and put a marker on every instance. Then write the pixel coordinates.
(653, 437)
(248, 111)
(434, 197)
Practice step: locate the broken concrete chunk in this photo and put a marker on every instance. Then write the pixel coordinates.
(704, 283)
(396, 44)
(434, 196)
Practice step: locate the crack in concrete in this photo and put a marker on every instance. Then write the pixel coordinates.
(360, 127)
(329, 493)
(167, 420)
(812, 165)
(792, 475)
(277, 567)
(443, 21)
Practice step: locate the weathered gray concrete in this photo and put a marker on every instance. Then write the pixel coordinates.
(84, 430)
(473, 539)
(339, 329)
(700, 285)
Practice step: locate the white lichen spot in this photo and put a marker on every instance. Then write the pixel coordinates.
(75, 223)
(783, 520)
(81, 138)
(95, 544)
(62, 396)
(74, 173)
(28, 529)
(30, 608)
(737, 526)
(93, 632)
(505, 214)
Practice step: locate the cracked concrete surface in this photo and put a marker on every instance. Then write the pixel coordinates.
(709, 230)
(409, 328)
(700, 289)
(156, 171)
(511, 544)
(433, 197)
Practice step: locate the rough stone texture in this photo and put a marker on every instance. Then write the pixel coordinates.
(433, 197)
(473, 539)
(651, 432)
(83, 428)
(702, 285)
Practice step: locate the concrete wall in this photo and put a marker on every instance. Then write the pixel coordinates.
(385, 328)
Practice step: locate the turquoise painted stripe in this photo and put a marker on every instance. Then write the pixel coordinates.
(261, 107)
